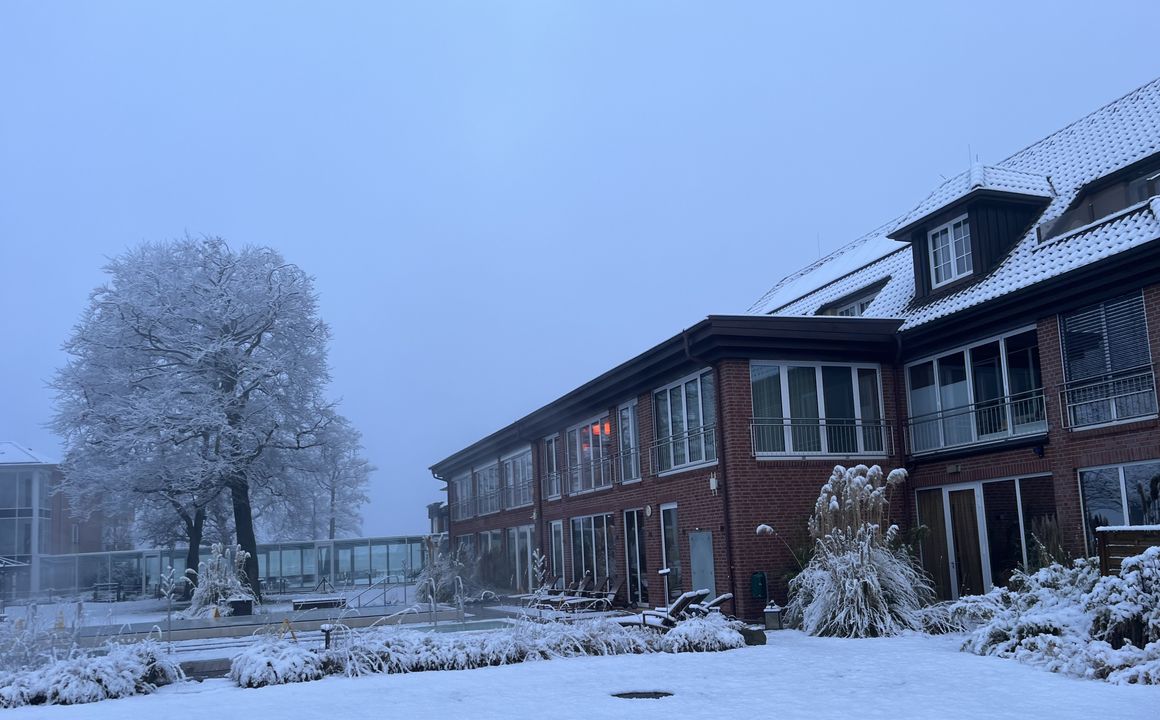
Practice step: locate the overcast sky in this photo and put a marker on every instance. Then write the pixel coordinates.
(500, 201)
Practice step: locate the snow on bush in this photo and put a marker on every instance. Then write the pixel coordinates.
(220, 579)
(389, 650)
(1072, 621)
(124, 670)
(860, 581)
(274, 662)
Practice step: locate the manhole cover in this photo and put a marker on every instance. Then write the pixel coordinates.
(643, 695)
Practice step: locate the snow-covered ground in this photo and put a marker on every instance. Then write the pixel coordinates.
(794, 676)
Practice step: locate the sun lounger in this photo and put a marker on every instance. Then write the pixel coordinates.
(705, 608)
(666, 618)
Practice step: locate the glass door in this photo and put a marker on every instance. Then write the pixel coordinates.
(962, 506)
(634, 550)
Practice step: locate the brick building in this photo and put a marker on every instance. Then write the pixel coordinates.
(997, 341)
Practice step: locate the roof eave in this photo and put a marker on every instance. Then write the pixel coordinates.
(902, 233)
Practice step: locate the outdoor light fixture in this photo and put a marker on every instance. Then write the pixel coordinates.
(773, 616)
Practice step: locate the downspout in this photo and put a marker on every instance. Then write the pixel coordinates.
(724, 481)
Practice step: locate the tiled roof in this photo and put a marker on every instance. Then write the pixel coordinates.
(13, 454)
(1113, 137)
(979, 177)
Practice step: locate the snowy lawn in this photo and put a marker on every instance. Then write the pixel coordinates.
(795, 676)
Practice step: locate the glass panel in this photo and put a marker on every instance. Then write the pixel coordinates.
(663, 455)
(873, 429)
(672, 550)
(987, 377)
(1040, 526)
(1004, 544)
(558, 548)
(768, 428)
(838, 395)
(600, 549)
(677, 415)
(586, 457)
(1102, 502)
(803, 410)
(589, 553)
(693, 415)
(955, 397)
(1142, 483)
(709, 413)
(7, 490)
(1028, 413)
(924, 428)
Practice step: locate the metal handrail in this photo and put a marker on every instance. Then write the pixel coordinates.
(705, 436)
(1118, 392)
(518, 495)
(773, 437)
(982, 422)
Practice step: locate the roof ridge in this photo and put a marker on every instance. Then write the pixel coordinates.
(1093, 113)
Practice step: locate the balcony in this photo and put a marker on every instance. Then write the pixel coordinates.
(1113, 398)
(780, 437)
(463, 509)
(551, 484)
(518, 495)
(1021, 415)
(688, 449)
(489, 502)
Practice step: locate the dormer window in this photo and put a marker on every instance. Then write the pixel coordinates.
(950, 252)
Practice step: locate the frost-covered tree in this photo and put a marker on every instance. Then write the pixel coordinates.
(189, 367)
(321, 492)
(860, 582)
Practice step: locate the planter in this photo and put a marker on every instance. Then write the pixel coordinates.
(241, 607)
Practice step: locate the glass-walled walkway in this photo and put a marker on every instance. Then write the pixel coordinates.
(283, 567)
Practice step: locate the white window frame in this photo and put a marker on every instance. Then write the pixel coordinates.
(1123, 494)
(463, 481)
(552, 526)
(856, 307)
(480, 495)
(664, 545)
(965, 350)
(633, 450)
(551, 446)
(930, 245)
(701, 430)
(787, 418)
(507, 465)
(604, 462)
(609, 542)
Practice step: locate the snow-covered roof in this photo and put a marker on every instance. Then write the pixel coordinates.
(13, 454)
(1115, 136)
(845, 260)
(979, 177)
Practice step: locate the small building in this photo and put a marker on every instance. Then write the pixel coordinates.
(998, 341)
(35, 519)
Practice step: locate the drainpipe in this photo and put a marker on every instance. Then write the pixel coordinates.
(724, 483)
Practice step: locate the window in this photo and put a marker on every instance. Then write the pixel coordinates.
(803, 409)
(1107, 362)
(592, 547)
(551, 473)
(671, 549)
(517, 478)
(589, 452)
(1104, 200)
(987, 392)
(685, 418)
(1120, 495)
(854, 308)
(627, 439)
(556, 536)
(461, 504)
(950, 252)
(487, 489)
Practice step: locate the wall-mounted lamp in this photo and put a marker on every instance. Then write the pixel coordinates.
(713, 483)
(1038, 451)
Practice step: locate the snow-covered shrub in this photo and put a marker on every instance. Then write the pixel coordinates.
(220, 579)
(711, 633)
(860, 582)
(440, 580)
(1128, 607)
(1069, 620)
(273, 662)
(124, 670)
(392, 650)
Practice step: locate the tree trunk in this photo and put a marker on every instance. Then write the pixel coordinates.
(333, 510)
(193, 532)
(244, 527)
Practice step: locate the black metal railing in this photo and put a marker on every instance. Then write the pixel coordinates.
(982, 422)
(772, 437)
(689, 448)
(1110, 398)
